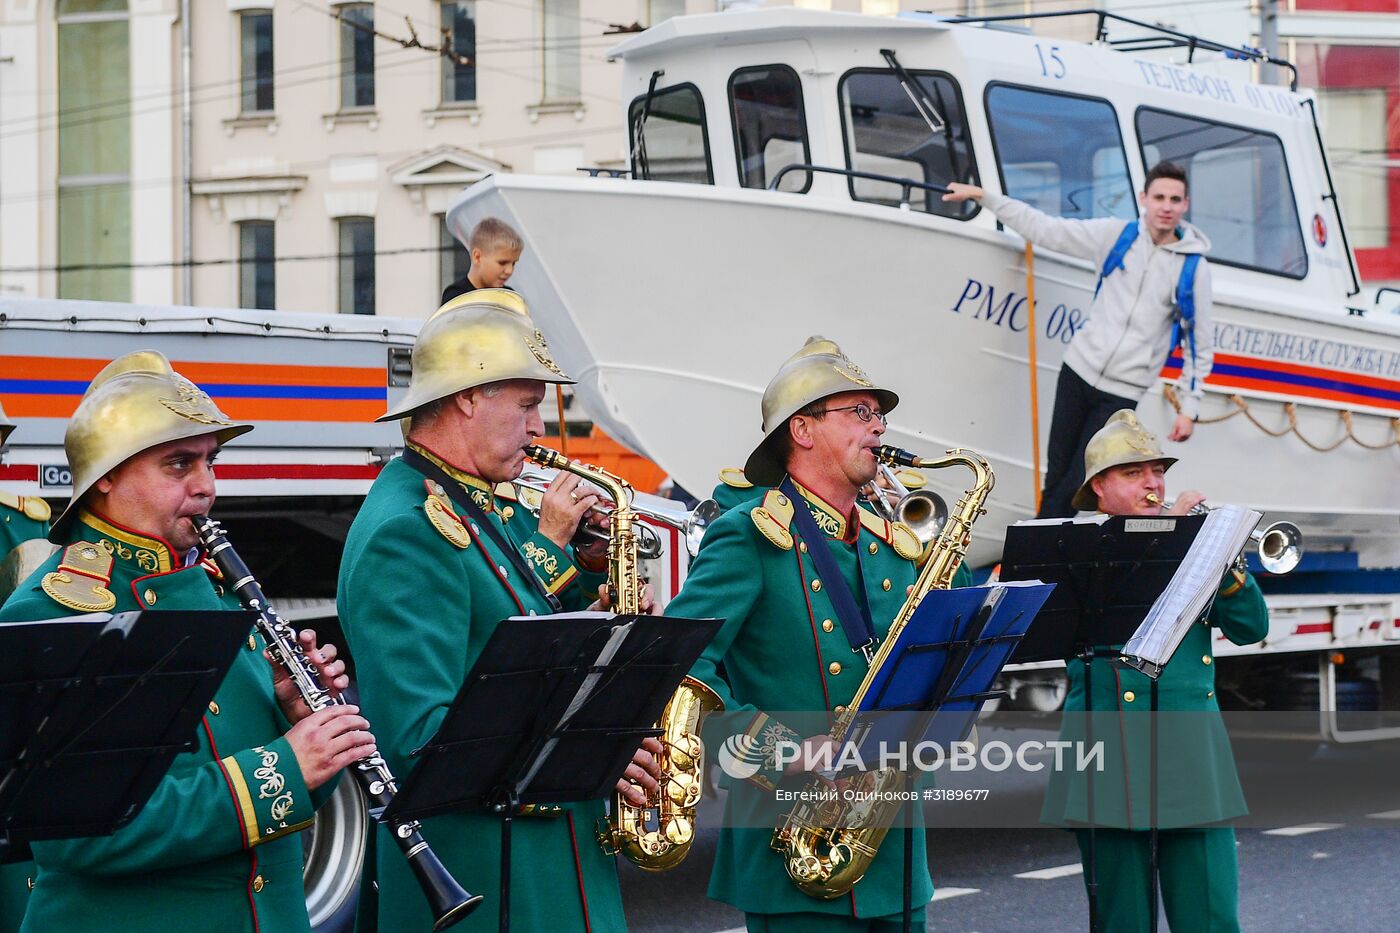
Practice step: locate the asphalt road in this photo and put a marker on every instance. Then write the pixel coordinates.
(1312, 874)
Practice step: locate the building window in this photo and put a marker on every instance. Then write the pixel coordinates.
(459, 80)
(257, 265)
(887, 135)
(357, 265)
(562, 40)
(453, 258)
(257, 61)
(658, 11)
(94, 150)
(356, 55)
(1061, 154)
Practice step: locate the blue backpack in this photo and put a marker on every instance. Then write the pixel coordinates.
(1184, 308)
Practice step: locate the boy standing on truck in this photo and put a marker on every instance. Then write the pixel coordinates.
(1154, 292)
(495, 247)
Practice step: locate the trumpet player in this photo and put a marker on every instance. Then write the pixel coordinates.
(214, 848)
(431, 565)
(784, 645)
(1126, 475)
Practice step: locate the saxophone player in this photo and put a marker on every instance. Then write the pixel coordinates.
(783, 645)
(216, 845)
(1125, 474)
(433, 562)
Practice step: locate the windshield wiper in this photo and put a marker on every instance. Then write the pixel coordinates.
(917, 95)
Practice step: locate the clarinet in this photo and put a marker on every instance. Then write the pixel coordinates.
(450, 902)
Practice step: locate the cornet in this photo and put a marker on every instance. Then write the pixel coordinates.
(1279, 546)
(531, 486)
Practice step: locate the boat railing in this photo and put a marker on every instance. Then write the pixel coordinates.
(1164, 37)
(907, 185)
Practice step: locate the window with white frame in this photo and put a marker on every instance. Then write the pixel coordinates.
(562, 43)
(356, 261)
(257, 265)
(356, 55)
(459, 68)
(255, 27)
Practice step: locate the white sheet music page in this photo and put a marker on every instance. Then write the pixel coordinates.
(1220, 540)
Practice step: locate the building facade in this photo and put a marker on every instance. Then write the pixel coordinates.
(301, 154)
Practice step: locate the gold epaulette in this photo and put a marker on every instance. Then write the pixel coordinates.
(439, 511)
(28, 506)
(80, 582)
(507, 491)
(773, 517)
(734, 476)
(896, 534)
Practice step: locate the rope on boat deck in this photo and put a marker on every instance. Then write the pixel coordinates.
(1291, 410)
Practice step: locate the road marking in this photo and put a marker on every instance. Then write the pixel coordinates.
(1302, 829)
(943, 894)
(1385, 815)
(1059, 871)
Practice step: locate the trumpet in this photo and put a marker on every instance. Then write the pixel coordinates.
(531, 487)
(1279, 546)
(923, 510)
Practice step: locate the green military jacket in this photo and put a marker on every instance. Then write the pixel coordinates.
(420, 592)
(783, 649)
(22, 518)
(215, 849)
(1197, 782)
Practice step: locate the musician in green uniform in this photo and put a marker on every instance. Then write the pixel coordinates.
(430, 567)
(783, 645)
(216, 847)
(22, 519)
(1198, 787)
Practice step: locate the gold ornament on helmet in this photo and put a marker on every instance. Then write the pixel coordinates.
(1121, 441)
(478, 338)
(817, 370)
(136, 402)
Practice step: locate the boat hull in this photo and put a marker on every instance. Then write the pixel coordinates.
(674, 304)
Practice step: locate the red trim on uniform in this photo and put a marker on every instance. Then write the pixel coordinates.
(252, 903)
(495, 568)
(228, 782)
(1122, 743)
(578, 869)
(140, 534)
(811, 618)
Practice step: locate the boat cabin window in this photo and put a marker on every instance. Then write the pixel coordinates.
(1060, 153)
(1241, 195)
(885, 135)
(770, 127)
(670, 143)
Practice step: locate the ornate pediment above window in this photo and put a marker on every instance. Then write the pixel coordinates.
(434, 178)
(236, 195)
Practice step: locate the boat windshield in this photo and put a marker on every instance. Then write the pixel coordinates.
(770, 128)
(886, 135)
(1060, 153)
(1241, 195)
(673, 145)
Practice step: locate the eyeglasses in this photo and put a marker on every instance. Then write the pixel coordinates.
(864, 412)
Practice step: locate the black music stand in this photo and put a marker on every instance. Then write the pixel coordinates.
(93, 709)
(552, 712)
(1110, 571)
(937, 676)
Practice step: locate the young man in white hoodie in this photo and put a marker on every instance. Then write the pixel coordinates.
(1116, 356)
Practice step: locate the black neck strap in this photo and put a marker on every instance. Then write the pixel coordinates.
(854, 616)
(465, 506)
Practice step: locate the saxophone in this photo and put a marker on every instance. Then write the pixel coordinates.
(658, 836)
(828, 845)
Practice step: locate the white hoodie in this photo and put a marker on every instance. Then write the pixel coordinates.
(1121, 348)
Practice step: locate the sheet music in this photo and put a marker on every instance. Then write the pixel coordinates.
(585, 690)
(1220, 540)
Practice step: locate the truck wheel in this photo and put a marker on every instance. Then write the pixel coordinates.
(333, 858)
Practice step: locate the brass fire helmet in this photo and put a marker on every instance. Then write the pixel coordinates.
(478, 338)
(1121, 441)
(6, 426)
(812, 373)
(136, 402)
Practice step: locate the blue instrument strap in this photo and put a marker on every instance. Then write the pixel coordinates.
(854, 618)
